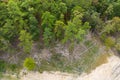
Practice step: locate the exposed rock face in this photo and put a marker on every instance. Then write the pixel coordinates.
(107, 71)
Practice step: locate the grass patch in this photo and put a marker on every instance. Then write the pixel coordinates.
(101, 59)
(61, 63)
(7, 66)
(8, 77)
(3, 66)
(88, 58)
(88, 43)
(56, 63)
(1, 75)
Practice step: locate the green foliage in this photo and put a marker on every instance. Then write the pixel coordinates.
(4, 44)
(29, 63)
(84, 3)
(108, 29)
(26, 41)
(48, 26)
(102, 6)
(13, 9)
(5, 66)
(75, 30)
(63, 7)
(70, 32)
(94, 19)
(2, 66)
(109, 42)
(47, 20)
(15, 17)
(3, 12)
(48, 36)
(109, 11)
(77, 10)
(13, 67)
(112, 26)
(30, 14)
(116, 9)
(8, 30)
(59, 30)
(116, 24)
(33, 27)
(117, 46)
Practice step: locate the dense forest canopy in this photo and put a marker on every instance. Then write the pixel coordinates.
(22, 22)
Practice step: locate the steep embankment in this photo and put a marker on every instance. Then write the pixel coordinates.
(107, 71)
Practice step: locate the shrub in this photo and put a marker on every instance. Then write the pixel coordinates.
(109, 42)
(2, 66)
(13, 67)
(117, 46)
(47, 36)
(26, 41)
(29, 63)
(59, 30)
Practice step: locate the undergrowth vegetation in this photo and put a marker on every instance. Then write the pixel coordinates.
(8, 67)
(58, 62)
(29, 63)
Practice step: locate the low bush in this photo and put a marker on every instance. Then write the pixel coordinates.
(117, 46)
(29, 63)
(109, 42)
(2, 66)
